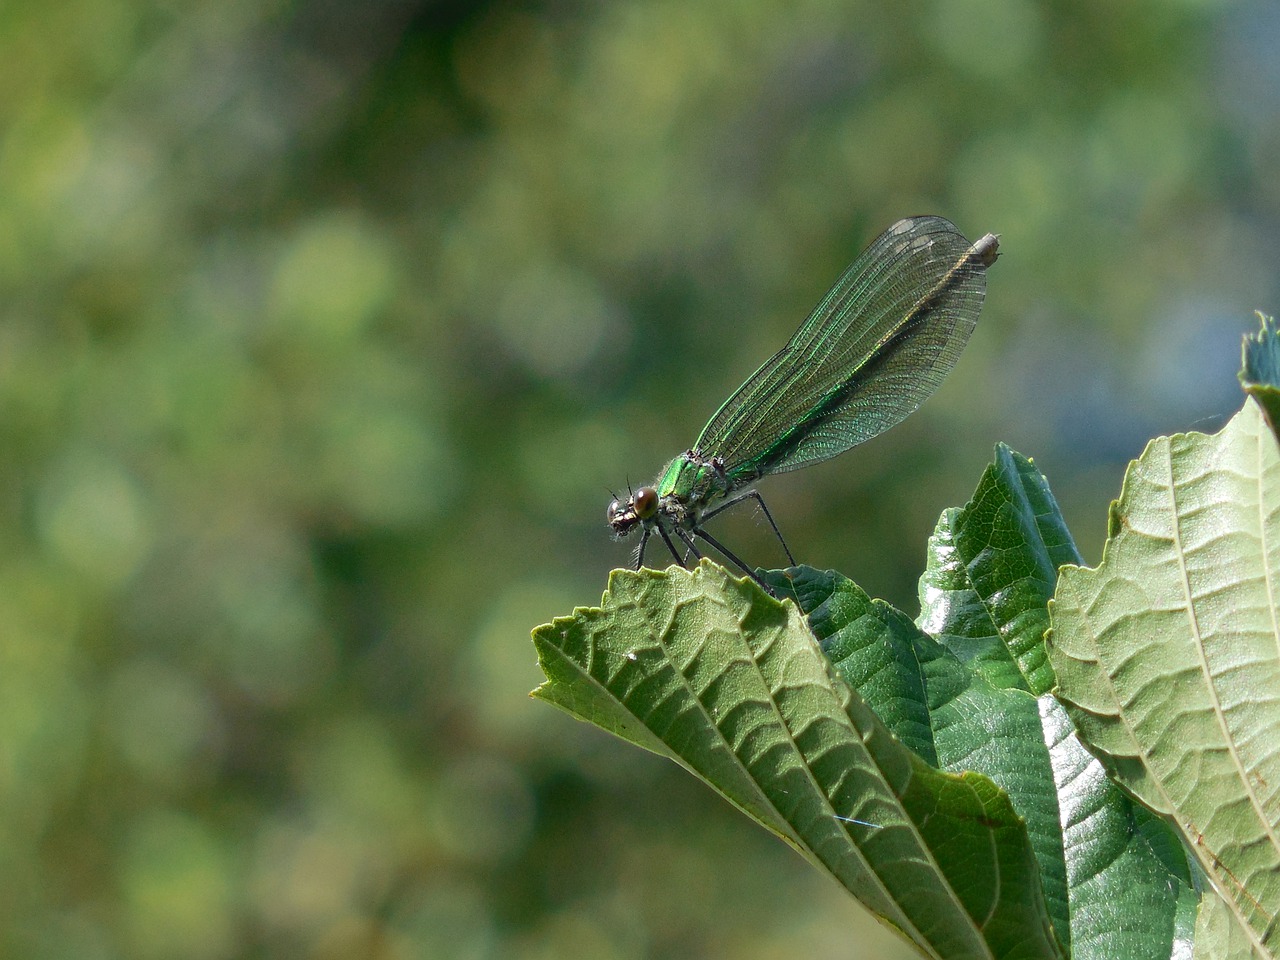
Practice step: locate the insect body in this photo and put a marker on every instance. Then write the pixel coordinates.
(875, 348)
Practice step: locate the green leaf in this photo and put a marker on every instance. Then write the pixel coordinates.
(992, 569)
(1219, 936)
(874, 647)
(729, 682)
(967, 723)
(1116, 882)
(1260, 370)
(1168, 656)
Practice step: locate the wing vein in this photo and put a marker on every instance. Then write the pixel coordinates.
(875, 348)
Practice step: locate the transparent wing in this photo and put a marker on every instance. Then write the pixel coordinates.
(875, 348)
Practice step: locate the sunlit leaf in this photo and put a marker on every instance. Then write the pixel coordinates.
(1168, 655)
(730, 683)
(964, 700)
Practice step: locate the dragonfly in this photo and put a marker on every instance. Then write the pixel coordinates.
(873, 350)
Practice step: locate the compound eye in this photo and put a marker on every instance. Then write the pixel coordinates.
(646, 502)
(615, 508)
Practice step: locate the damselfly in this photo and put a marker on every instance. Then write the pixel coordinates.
(875, 348)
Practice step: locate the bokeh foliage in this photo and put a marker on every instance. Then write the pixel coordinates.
(326, 326)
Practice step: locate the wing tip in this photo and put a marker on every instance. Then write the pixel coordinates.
(986, 250)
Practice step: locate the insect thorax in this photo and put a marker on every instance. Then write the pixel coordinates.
(688, 477)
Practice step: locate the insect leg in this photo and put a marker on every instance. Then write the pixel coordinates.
(684, 538)
(670, 546)
(644, 538)
(752, 494)
(736, 562)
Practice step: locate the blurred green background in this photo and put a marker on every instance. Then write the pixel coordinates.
(327, 327)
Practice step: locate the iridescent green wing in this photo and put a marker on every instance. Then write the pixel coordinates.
(875, 348)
